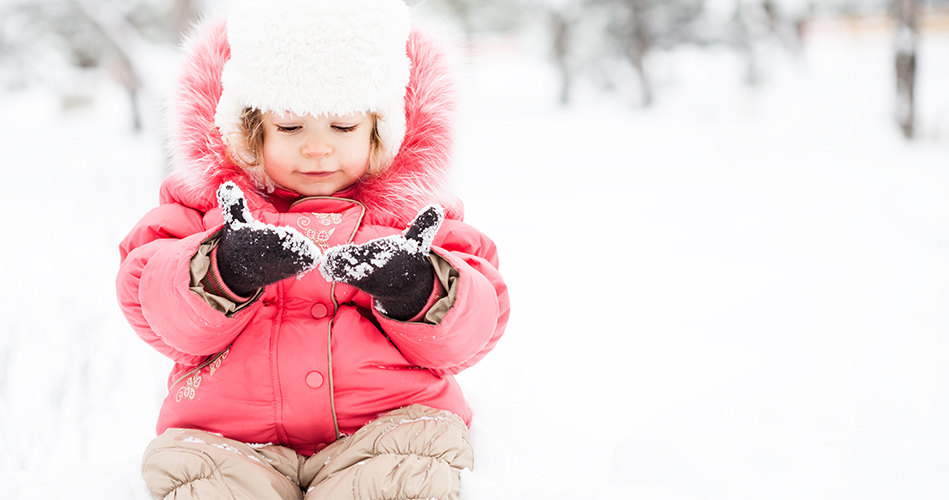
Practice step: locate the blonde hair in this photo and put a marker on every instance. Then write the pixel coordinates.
(245, 146)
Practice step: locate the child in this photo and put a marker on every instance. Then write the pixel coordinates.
(311, 134)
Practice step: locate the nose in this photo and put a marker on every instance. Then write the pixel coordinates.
(316, 146)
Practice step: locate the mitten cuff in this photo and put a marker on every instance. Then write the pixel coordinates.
(442, 299)
(206, 281)
(438, 291)
(215, 285)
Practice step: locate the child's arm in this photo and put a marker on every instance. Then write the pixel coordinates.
(469, 314)
(477, 306)
(155, 291)
(161, 284)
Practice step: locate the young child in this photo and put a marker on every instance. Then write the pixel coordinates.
(305, 269)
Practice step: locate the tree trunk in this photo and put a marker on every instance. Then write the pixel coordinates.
(637, 46)
(907, 12)
(560, 27)
(121, 67)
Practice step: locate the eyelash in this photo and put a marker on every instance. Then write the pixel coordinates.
(294, 128)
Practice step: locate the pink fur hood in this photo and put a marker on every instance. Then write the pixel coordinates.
(417, 176)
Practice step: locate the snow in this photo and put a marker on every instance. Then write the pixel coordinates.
(425, 226)
(349, 263)
(230, 196)
(740, 293)
(258, 446)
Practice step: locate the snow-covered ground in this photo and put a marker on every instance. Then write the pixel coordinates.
(740, 293)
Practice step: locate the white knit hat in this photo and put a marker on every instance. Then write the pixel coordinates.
(317, 57)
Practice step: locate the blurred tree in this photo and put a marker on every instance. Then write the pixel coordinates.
(560, 27)
(108, 36)
(478, 15)
(750, 25)
(907, 14)
(111, 34)
(636, 27)
(563, 26)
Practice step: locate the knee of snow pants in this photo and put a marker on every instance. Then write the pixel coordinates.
(190, 464)
(413, 452)
(410, 453)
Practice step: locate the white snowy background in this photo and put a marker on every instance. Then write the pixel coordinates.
(738, 293)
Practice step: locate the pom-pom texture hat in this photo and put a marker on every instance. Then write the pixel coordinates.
(317, 57)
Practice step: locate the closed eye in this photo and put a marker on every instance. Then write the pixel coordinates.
(288, 128)
(346, 128)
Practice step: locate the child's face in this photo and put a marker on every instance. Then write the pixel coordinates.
(316, 156)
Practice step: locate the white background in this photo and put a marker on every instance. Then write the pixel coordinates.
(739, 293)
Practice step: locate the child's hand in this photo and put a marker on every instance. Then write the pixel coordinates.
(394, 270)
(252, 254)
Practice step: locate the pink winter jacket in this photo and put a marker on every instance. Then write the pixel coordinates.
(306, 360)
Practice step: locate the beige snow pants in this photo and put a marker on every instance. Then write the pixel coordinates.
(411, 453)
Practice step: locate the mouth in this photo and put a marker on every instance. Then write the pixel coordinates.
(317, 175)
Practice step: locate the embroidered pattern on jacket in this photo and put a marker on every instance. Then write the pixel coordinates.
(189, 390)
(320, 227)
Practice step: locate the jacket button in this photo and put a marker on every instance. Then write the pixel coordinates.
(314, 379)
(319, 311)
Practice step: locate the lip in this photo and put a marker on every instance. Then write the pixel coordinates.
(317, 175)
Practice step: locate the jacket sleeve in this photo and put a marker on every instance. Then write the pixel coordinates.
(154, 287)
(477, 317)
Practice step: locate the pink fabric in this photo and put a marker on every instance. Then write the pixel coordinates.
(254, 367)
(214, 284)
(436, 294)
(417, 176)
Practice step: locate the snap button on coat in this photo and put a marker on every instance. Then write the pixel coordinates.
(319, 311)
(314, 379)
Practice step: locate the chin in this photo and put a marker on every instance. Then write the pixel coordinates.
(317, 192)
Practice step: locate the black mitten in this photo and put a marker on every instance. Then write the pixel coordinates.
(252, 254)
(395, 270)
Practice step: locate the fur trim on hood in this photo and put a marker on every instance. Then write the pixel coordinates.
(417, 176)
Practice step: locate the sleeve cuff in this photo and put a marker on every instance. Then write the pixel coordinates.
(443, 294)
(207, 284)
(438, 291)
(214, 284)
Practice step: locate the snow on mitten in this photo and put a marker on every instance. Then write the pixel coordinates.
(395, 269)
(252, 254)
